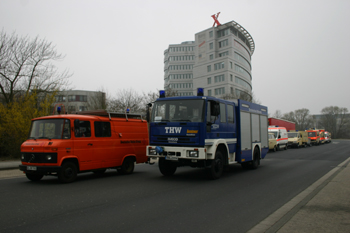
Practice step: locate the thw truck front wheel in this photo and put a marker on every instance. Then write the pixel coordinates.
(167, 168)
(217, 166)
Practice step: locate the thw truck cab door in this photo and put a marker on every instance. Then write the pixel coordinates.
(220, 120)
(213, 121)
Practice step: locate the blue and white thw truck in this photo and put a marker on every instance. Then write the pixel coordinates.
(203, 131)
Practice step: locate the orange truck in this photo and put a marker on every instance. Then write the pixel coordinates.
(314, 136)
(65, 145)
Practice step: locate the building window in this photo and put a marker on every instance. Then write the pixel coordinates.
(224, 32)
(220, 91)
(71, 98)
(231, 65)
(71, 109)
(181, 58)
(211, 56)
(231, 77)
(218, 66)
(243, 83)
(209, 68)
(60, 98)
(82, 108)
(209, 92)
(223, 43)
(241, 59)
(181, 67)
(181, 85)
(241, 48)
(243, 72)
(219, 78)
(211, 34)
(81, 98)
(211, 45)
(223, 54)
(209, 80)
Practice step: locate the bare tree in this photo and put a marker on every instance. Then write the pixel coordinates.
(301, 117)
(278, 114)
(26, 64)
(228, 97)
(149, 97)
(336, 120)
(289, 116)
(169, 92)
(243, 96)
(126, 99)
(255, 99)
(98, 100)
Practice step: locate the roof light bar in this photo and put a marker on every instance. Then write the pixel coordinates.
(200, 91)
(161, 94)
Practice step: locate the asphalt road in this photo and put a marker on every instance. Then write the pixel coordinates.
(145, 201)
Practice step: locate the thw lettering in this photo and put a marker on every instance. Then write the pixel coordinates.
(173, 129)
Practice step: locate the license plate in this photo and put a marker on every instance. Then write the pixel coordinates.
(31, 168)
(171, 158)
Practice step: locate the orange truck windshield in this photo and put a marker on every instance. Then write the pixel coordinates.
(50, 129)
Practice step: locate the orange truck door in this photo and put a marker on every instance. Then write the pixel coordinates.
(83, 147)
(105, 145)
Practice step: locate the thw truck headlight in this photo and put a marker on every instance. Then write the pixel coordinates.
(193, 153)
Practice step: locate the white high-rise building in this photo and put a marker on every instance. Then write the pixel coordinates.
(179, 60)
(219, 60)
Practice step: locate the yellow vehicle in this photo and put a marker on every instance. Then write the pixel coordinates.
(305, 138)
(294, 139)
(272, 142)
(298, 139)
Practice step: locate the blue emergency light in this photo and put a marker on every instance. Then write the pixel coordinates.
(59, 110)
(161, 94)
(200, 91)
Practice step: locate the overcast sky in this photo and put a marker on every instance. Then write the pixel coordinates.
(301, 58)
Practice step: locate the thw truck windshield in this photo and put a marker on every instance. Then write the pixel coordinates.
(176, 111)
